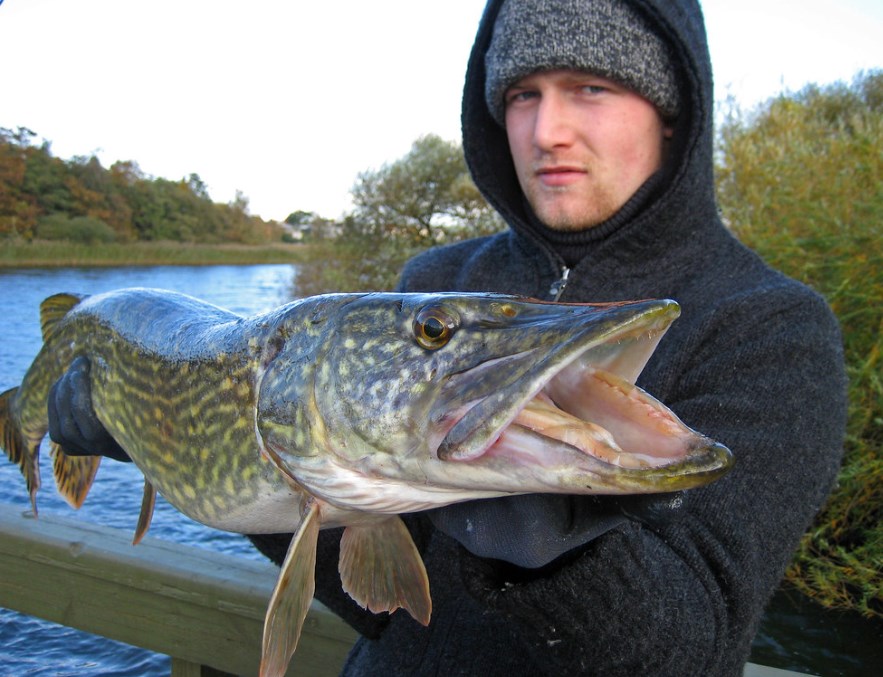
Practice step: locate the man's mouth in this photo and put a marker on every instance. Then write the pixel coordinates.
(559, 175)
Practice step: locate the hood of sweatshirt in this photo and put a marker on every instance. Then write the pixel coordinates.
(667, 209)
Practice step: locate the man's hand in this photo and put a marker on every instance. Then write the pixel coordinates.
(72, 420)
(531, 531)
(652, 510)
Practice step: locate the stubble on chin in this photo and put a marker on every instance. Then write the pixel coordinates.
(563, 211)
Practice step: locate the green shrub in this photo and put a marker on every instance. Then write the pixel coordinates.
(80, 229)
(353, 263)
(800, 180)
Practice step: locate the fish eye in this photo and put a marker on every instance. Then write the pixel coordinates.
(434, 327)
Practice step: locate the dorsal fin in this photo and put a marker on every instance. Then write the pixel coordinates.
(292, 596)
(53, 309)
(73, 474)
(381, 569)
(145, 517)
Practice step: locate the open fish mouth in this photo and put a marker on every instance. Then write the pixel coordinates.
(576, 410)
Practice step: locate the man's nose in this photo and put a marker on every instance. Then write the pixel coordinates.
(552, 125)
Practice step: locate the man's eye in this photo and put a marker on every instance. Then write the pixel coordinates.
(515, 97)
(594, 89)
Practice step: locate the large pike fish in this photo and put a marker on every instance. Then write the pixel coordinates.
(349, 409)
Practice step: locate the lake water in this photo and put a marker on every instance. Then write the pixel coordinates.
(795, 635)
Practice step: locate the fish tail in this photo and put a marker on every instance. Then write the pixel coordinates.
(23, 417)
(19, 449)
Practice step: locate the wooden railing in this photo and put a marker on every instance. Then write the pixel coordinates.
(204, 609)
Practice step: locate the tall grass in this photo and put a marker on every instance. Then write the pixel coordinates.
(800, 180)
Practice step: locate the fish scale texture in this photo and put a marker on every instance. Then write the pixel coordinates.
(755, 362)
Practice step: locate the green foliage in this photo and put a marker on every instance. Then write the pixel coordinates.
(422, 196)
(18, 210)
(300, 218)
(801, 181)
(355, 260)
(420, 200)
(35, 186)
(82, 229)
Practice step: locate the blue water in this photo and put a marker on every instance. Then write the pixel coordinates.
(29, 646)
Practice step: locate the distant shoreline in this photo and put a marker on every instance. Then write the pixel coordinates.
(56, 254)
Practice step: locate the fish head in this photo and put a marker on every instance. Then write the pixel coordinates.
(409, 401)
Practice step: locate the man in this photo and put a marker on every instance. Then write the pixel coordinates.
(588, 126)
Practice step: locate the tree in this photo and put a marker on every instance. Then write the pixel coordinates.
(422, 195)
(46, 179)
(300, 218)
(94, 194)
(81, 200)
(18, 209)
(418, 201)
(197, 186)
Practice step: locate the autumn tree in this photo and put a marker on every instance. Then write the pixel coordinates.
(18, 209)
(45, 197)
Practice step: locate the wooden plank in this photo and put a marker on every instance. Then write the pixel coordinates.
(202, 607)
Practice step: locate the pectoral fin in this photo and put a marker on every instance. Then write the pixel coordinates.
(381, 569)
(148, 503)
(73, 474)
(291, 596)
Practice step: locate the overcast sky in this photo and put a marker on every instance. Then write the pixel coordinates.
(287, 102)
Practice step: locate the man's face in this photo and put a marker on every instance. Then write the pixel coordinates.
(582, 145)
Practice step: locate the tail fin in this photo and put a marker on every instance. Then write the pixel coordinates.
(17, 448)
(20, 436)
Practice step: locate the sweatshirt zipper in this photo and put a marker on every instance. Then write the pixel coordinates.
(558, 285)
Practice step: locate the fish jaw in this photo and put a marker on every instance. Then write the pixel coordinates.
(628, 443)
(616, 340)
